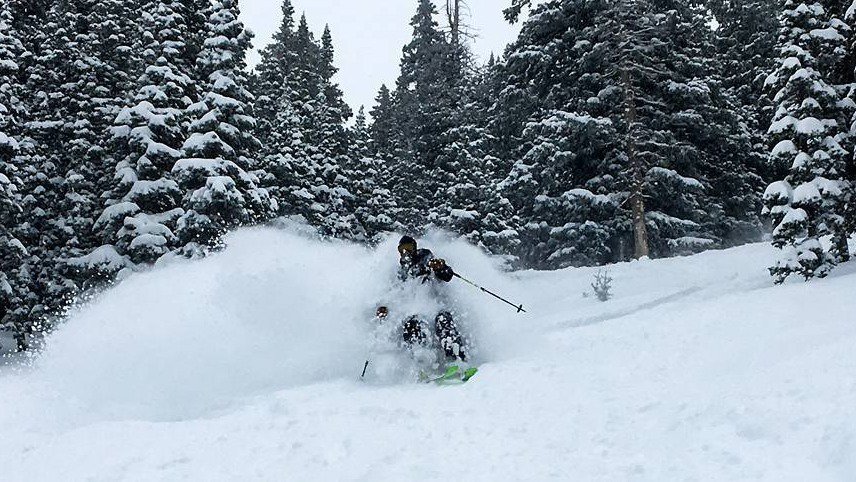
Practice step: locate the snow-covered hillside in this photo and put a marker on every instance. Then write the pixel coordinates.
(245, 366)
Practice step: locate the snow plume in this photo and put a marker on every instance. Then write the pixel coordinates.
(275, 310)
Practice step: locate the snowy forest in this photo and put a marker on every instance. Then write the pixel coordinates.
(610, 130)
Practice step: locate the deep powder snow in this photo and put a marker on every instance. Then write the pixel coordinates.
(245, 366)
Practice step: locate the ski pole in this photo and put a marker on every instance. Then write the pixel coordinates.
(381, 313)
(519, 308)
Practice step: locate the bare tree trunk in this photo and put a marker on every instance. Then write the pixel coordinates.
(453, 13)
(842, 247)
(637, 198)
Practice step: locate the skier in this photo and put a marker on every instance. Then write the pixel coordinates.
(420, 264)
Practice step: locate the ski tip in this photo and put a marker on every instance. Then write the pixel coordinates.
(453, 375)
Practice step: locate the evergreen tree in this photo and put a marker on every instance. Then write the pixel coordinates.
(334, 188)
(425, 102)
(219, 190)
(98, 83)
(307, 163)
(375, 205)
(621, 101)
(32, 21)
(12, 251)
(468, 202)
(59, 199)
(196, 18)
(512, 13)
(806, 134)
(138, 223)
(746, 42)
(359, 137)
(714, 144)
(850, 214)
(273, 79)
(382, 129)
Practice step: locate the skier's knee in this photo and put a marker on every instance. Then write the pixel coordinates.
(444, 322)
(449, 337)
(413, 332)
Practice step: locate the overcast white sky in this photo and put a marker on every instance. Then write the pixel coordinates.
(369, 34)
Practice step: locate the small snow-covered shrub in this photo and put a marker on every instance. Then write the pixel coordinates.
(602, 285)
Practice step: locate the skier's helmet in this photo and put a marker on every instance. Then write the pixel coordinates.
(407, 245)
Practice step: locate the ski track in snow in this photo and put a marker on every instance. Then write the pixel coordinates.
(245, 366)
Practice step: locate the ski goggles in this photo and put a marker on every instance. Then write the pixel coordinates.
(406, 248)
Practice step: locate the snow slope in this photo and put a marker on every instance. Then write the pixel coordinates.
(245, 367)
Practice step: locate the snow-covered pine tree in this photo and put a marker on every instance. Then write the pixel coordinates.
(850, 214)
(712, 144)
(196, 20)
(328, 138)
(358, 135)
(278, 126)
(374, 205)
(272, 80)
(382, 129)
(745, 44)
(513, 12)
(639, 56)
(101, 57)
(468, 202)
(288, 76)
(32, 21)
(303, 114)
(139, 221)
(332, 188)
(557, 185)
(806, 135)
(562, 181)
(425, 102)
(382, 212)
(220, 191)
(12, 291)
(305, 85)
(499, 224)
(59, 200)
(637, 71)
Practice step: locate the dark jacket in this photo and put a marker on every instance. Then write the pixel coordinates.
(416, 266)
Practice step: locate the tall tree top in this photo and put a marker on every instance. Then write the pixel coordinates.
(286, 28)
(287, 14)
(423, 22)
(303, 31)
(425, 55)
(328, 70)
(383, 95)
(227, 41)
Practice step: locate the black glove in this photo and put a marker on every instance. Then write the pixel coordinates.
(437, 264)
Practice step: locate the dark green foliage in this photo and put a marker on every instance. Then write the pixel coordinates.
(810, 135)
(220, 189)
(13, 288)
(562, 114)
(306, 154)
(144, 203)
